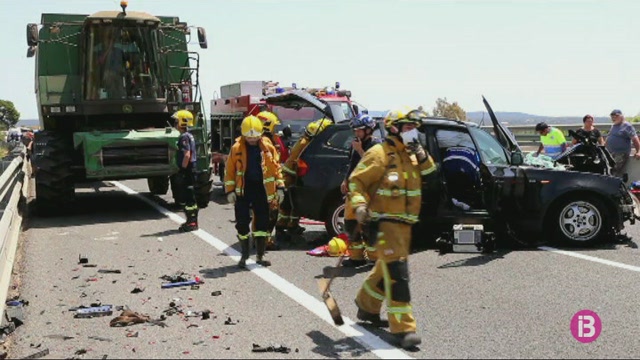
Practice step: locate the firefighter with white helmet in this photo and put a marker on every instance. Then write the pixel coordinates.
(187, 163)
(385, 191)
(287, 219)
(253, 182)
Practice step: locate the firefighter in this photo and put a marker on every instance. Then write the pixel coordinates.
(269, 121)
(385, 191)
(287, 219)
(252, 181)
(363, 127)
(187, 164)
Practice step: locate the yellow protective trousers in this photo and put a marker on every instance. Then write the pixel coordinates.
(389, 279)
(358, 249)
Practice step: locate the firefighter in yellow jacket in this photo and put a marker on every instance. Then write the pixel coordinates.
(253, 182)
(287, 219)
(385, 191)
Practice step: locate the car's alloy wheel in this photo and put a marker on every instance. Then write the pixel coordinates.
(335, 223)
(580, 221)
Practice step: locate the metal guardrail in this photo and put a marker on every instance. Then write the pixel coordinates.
(13, 188)
(526, 134)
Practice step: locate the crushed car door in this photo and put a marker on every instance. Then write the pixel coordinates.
(298, 99)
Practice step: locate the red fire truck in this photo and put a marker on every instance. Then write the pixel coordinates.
(294, 107)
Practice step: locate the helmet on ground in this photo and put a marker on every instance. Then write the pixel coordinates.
(251, 127)
(400, 117)
(184, 118)
(541, 126)
(363, 121)
(336, 247)
(269, 120)
(316, 127)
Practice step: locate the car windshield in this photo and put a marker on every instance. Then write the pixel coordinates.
(491, 151)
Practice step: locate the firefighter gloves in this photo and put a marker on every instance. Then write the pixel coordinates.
(231, 197)
(418, 150)
(280, 193)
(362, 215)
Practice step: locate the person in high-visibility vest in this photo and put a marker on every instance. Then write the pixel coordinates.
(552, 140)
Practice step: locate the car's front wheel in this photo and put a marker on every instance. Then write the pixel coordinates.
(579, 221)
(334, 218)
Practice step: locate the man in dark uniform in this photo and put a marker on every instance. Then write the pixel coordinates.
(187, 164)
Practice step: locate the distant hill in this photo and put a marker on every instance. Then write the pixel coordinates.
(29, 122)
(518, 118)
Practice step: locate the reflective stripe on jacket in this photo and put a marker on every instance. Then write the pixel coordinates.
(236, 167)
(389, 182)
(290, 167)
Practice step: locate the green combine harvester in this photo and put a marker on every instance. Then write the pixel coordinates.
(107, 85)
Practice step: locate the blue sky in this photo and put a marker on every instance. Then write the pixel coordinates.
(554, 58)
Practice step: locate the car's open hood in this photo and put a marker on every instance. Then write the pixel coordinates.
(503, 135)
(297, 99)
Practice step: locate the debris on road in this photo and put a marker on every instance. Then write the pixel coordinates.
(83, 259)
(137, 290)
(107, 271)
(38, 355)
(94, 311)
(275, 348)
(89, 265)
(132, 334)
(127, 318)
(59, 337)
(230, 322)
(100, 339)
(216, 293)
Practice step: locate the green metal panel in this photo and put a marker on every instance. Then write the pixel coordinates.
(174, 40)
(58, 62)
(94, 142)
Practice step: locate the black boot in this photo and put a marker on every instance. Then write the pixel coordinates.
(281, 237)
(192, 220)
(261, 244)
(244, 246)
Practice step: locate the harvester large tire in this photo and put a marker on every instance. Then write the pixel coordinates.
(203, 189)
(158, 185)
(54, 180)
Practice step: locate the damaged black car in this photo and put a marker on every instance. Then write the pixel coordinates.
(482, 192)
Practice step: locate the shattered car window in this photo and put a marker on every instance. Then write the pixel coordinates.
(491, 151)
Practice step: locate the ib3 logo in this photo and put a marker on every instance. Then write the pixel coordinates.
(586, 326)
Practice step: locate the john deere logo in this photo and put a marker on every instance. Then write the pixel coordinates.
(127, 108)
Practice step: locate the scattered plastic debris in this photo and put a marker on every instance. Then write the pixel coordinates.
(108, 271)
(59, 337)
(100, 339)
(137, 290)
(89, 265)
(83, 259)
(132, 334)
(275, 348)
(230, 322)
(216, 293)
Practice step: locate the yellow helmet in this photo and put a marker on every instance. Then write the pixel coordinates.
(251, 127)
(184, 118)
(399, 117)
(269, 120)
(336, 247)
(316, 127)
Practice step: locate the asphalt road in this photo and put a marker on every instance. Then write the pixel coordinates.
(508, 304)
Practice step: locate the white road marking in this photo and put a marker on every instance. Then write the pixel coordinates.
(377, 346)
(591, 258)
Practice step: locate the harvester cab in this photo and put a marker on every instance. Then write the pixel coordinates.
(107, 85)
